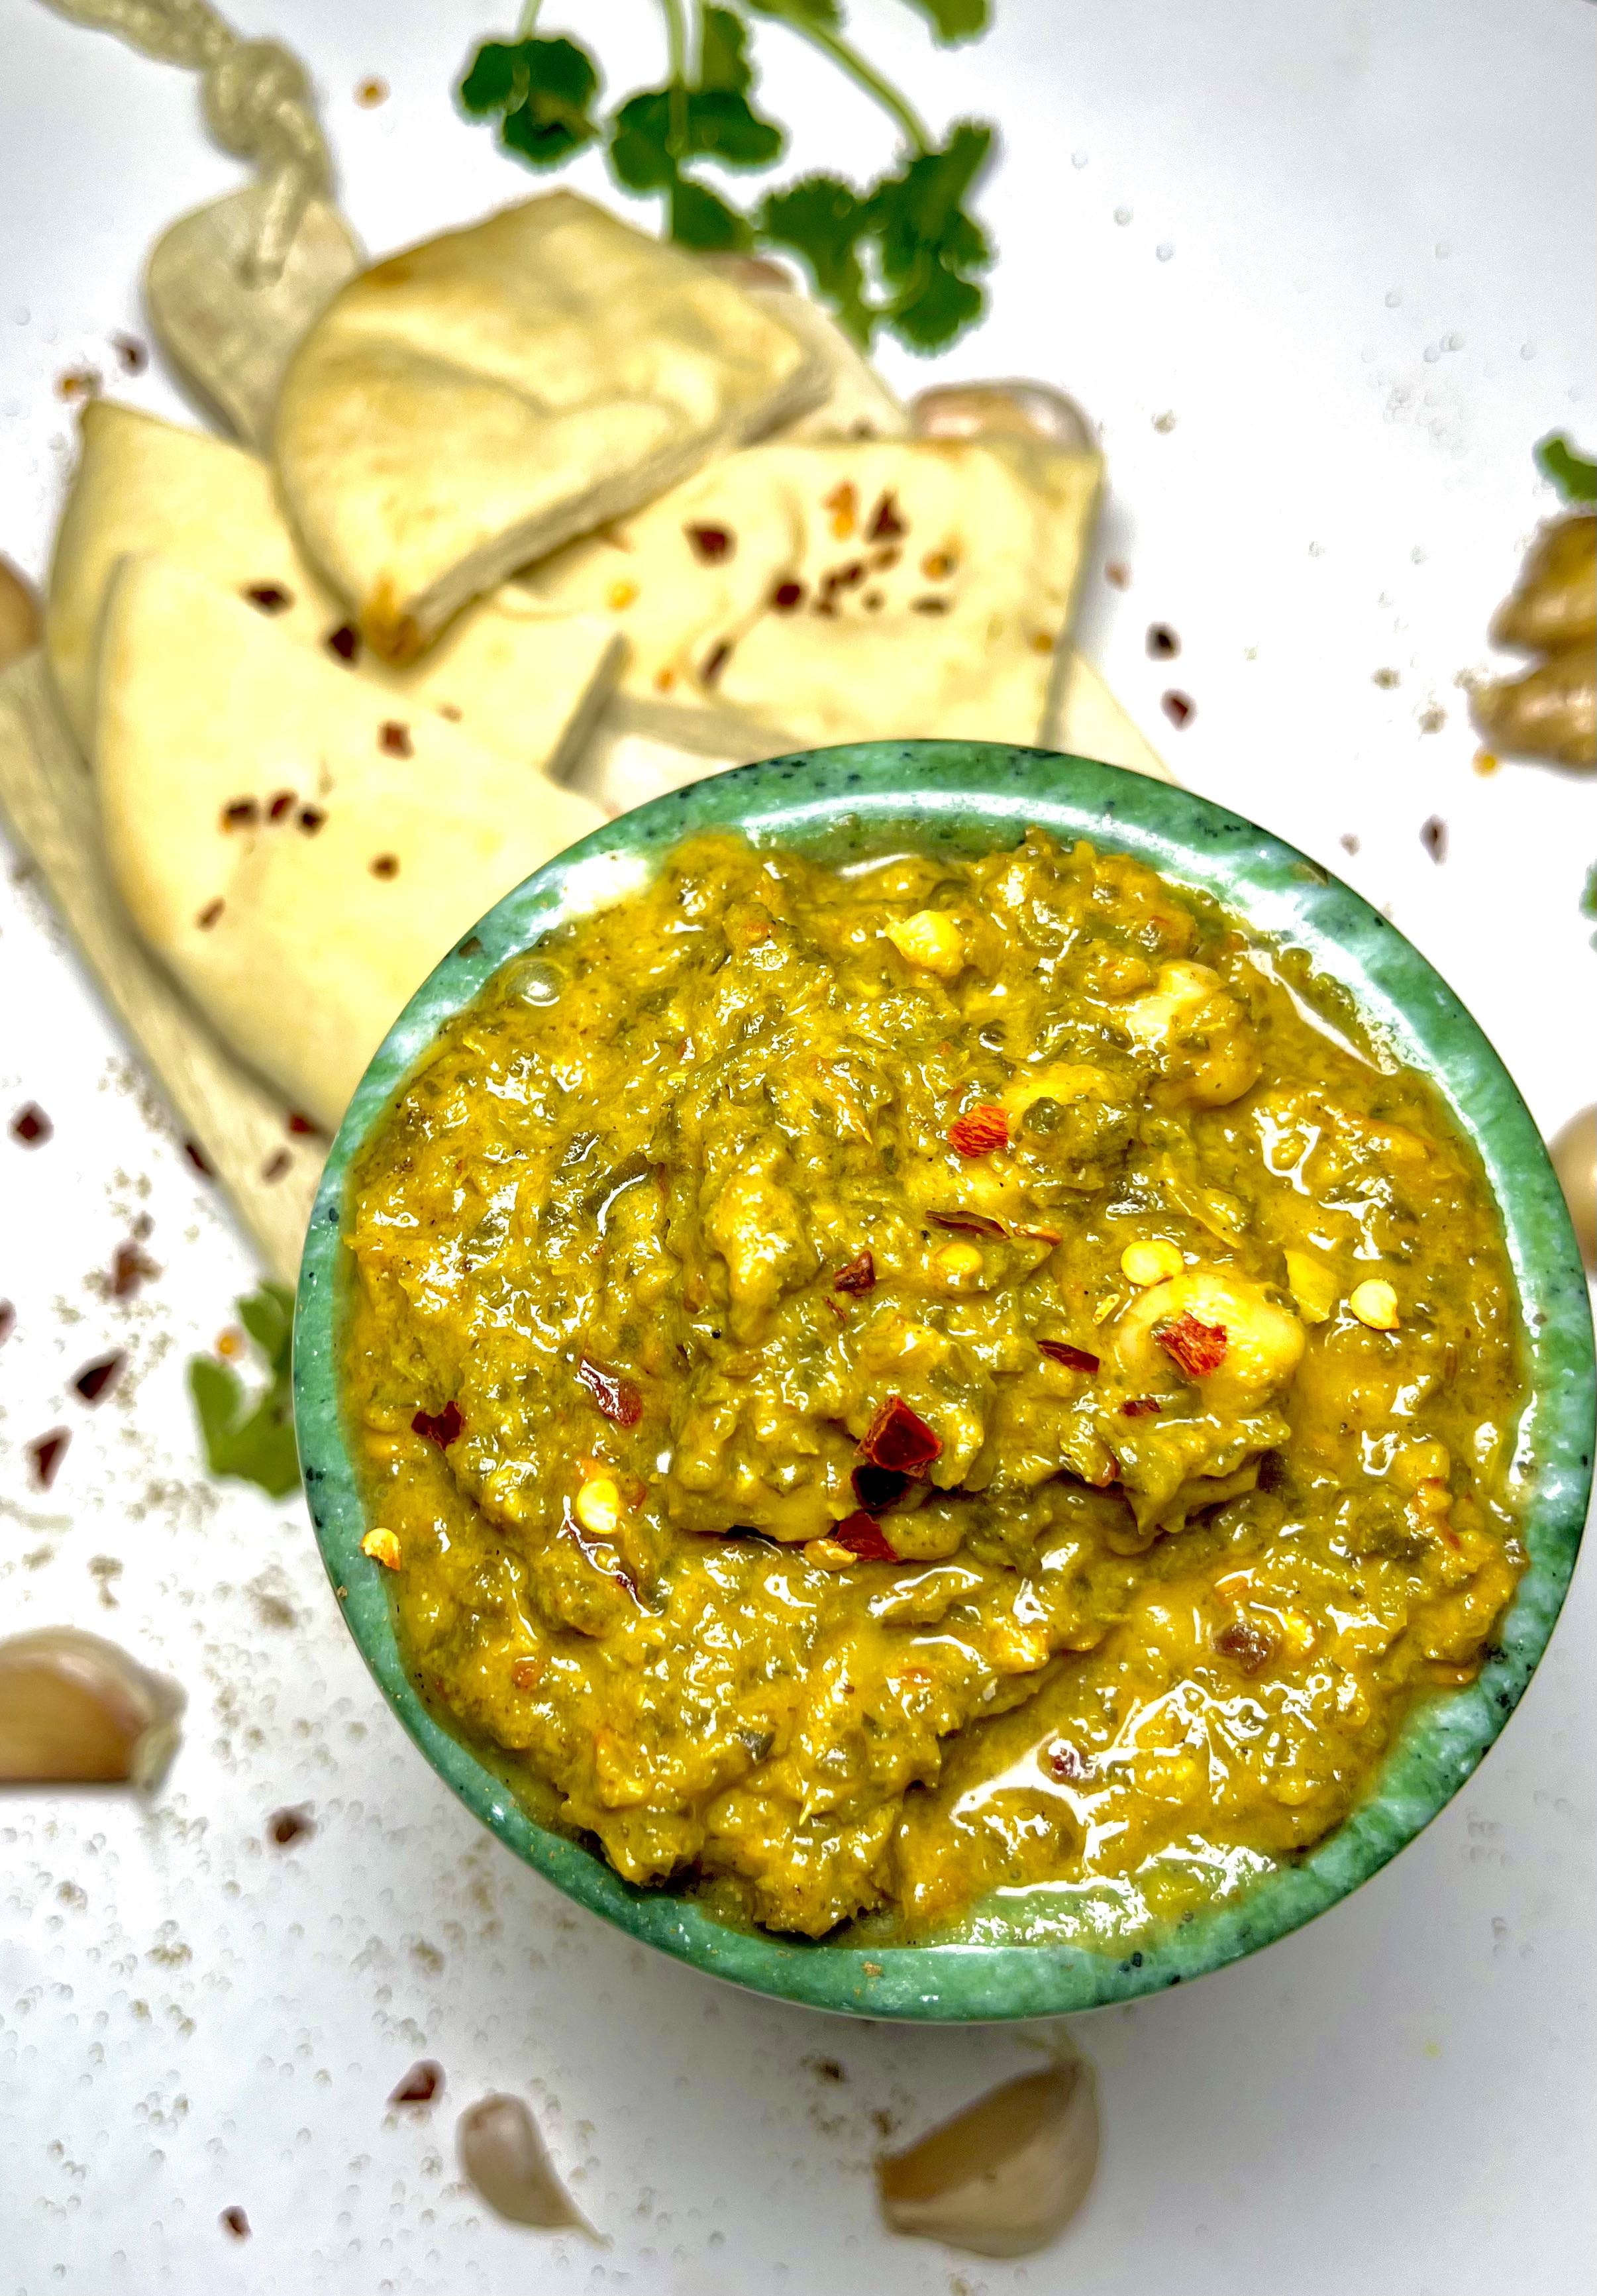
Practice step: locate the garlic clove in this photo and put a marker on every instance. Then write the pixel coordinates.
(1009, 410)
(75, 1710)
(19, 623)
(1574, 1153)
(503, 2154)
(1007, 2174)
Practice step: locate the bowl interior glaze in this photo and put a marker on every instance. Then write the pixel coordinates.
(869, 798)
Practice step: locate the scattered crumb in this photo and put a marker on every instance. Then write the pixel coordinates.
(131, 1268)
(290, 1825)
(1433, 720)
(1163, 644)
(103, 1568)
(79, 383)
(1386, 678)
(133, 357)
(1180, 709)
(234, 2221)
(1349, 841)
(1165, 423)
(422, 2083)
(1485, 762)
(826, 2069)
(30, 1126)
(230, 1344)
(1433, 836)
(369, 93)
(8, 1318)
(1117, 574)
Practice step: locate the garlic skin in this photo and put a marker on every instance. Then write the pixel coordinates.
(501, 2153)
(75, 1710)
(1005, 2176)
(1009, 410)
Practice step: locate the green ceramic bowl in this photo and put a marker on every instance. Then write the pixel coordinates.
(1008, 1958)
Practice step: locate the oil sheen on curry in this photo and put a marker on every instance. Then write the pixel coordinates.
(885, 1384)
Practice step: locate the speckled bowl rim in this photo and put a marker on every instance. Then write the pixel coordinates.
(977, 795)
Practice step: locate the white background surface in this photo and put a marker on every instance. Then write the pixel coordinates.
(1376, 295)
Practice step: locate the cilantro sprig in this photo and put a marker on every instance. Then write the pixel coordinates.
(1572, 474)
(253, 1442)
(903, 253)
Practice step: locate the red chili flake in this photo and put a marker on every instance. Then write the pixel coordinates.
(394, 741)
(240, 813)
(873, 601)
(1246, 1646)
(385, 864)
(1433, 837)
(286, 1825)
(420, 2084)
(234, 2221)
(133, 357)
(929, 606)
(1180, 709)
(300, 1125)
(862, 1535)
(886, 522)
(787, 596)
(1163, 644)
(1074, 1358)
(281, 804)
(885, 560)
(980, 1130)
(271, 597)
(1195, 1349)
(311, 818)
(617, 1398)
(844, 578)
(710, 543)
(439, 1427)
(93, 1380)
(1117, 574)
(46, 1452)
(716, 661)
(1140, 1407)
(130, 1268)
(859, 1275)
(199, 1158)
(898, 1437)
(31, 1126)
(209, 914)
(79, 383)
(1063, 1760)
(968, 1222)
(8, 1319)
(345, 641)
(878, 1488)
(275, 1165)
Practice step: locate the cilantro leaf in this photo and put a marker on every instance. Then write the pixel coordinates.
(723, 125)
(253, 1443)
(1572, 474)
(1588, 900)
(822, 219)
(640, 142)
(543, 91)
(724, 52)
(701, 219)
(953, 19)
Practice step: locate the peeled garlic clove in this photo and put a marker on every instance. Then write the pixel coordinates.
(1004, 2176)
(20, 624)
(1005, 410)
(1574, 1154)
(231, 338)
(503, 2154)
(75, 1710)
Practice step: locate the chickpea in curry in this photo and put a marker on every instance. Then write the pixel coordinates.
(881, 1384)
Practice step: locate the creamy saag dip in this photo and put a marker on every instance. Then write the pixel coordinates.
(887, 1384)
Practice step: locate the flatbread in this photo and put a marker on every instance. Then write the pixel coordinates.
(464, 407)
(249, 1135)
(521, 681)
(845, 592)
(297, 857)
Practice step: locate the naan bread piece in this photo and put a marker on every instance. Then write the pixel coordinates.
(857, 403)
(845, 591)
(467, 406)
(637, 750)
(297, 856)
(1084, 720)
(519, 680)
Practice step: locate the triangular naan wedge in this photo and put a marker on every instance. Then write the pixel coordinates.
(520, 681)
(465, 407)
(298, 857)
(856, 403)
(850, 591)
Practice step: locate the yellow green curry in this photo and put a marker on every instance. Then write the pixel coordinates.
(881, 1384)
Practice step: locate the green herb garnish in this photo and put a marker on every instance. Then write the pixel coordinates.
(1572, 474)
(252, 1443)
(905, 253)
